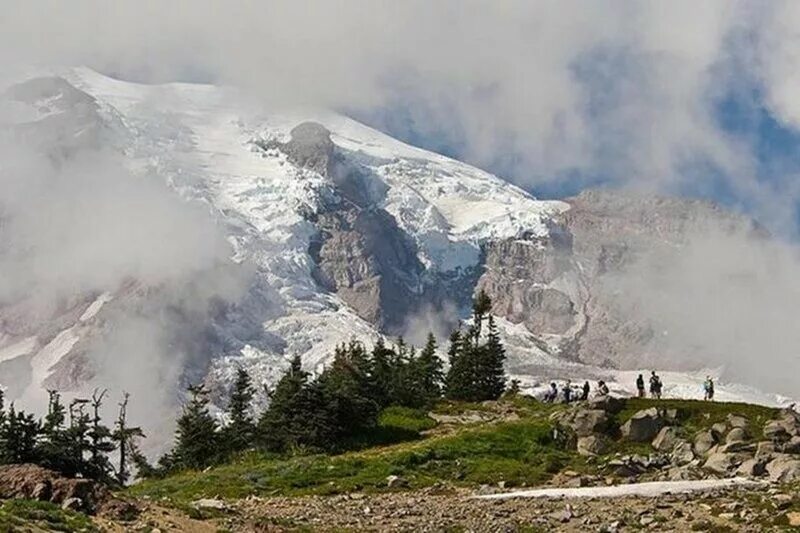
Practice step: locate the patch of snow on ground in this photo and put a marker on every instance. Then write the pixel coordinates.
(649, 489)
(23, 347)
(95, 307)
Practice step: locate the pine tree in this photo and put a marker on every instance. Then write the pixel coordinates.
(196, 439)
(98, 466)
(239, 433)
(428, 372)
(53, 448)
(381, 373)
(77, 437)
(458, 381)
(492, 371)
(18, 436)
(279, 426)
(125, 439)
(347, 390)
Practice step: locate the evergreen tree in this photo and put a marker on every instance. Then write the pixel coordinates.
(197, 443)
(54, 445)
(98, 466)
(403, 389)
(492, 371)
(281, 425)
(347, 391)
(18, 437)
(428, 372)
(458, 381)
(125, 439)
(476, 369)
(381, 373)
(77, 437)
(239, 433)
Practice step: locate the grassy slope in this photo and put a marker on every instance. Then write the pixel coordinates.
(33, 516)
(516, 449)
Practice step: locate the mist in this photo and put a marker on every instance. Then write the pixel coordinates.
(626, 94)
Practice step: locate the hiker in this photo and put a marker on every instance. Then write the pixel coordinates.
(585, 393)
(655, 385)
(567, 392)
(640, 386)
(708, 388)
(551, 395)
(602, 388)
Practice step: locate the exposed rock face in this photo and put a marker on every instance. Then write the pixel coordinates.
(34, 482)
(563, 286)
(592, 445)
(643, 426)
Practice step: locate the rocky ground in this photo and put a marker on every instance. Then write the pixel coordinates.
(449, 509)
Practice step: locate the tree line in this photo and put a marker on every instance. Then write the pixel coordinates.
(307, 413)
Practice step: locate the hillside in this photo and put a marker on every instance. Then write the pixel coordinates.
(423, 471)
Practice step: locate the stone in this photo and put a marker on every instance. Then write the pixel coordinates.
(724, 463)
(592, 445)
(793, 446)
(703, 442)
(737, 434)
(42, 491)
(72, 504)
(738, 421)
(607, 403)
(718, 430)
(784, 468)
(737, 447)
(682, 453)
(666, 439)
(793, 518)
(765, 448)
(752, 468)
(643, 426)
(210, 503)
(396, 481)
(775, 431)
(585, 422)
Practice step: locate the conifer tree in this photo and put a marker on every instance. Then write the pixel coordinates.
(381, 373)
(280, 425)
(428, 372)
(77, 437)
(98, 466)
(18, 436)
(196, 440)
(347, 391)
(125, 439)
(492, 372)
(239, 432)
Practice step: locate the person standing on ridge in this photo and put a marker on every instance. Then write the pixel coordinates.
(655, 385)
(708, 389)
(585, 393)
(640, 386)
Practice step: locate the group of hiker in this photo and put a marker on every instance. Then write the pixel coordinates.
(656, 385)
(569, 394)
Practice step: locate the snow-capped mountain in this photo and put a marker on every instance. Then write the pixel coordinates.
(334, 231)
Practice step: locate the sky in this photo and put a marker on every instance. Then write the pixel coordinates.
(683, 97)
(698, 99)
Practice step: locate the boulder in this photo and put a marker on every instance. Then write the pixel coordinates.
(396, 481)
(718, 430)
(737, 434)
(724, 463)
(666, 439)
(72, 504)
(738, 421)
(737, 447)
(765, 449)
(793, 446)
(752, 468)
(643, 426)
(703, 442)
(682, 453)
(775, 431)
(585, 422)
(784, 468)
(592, 445)
(607, 403)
